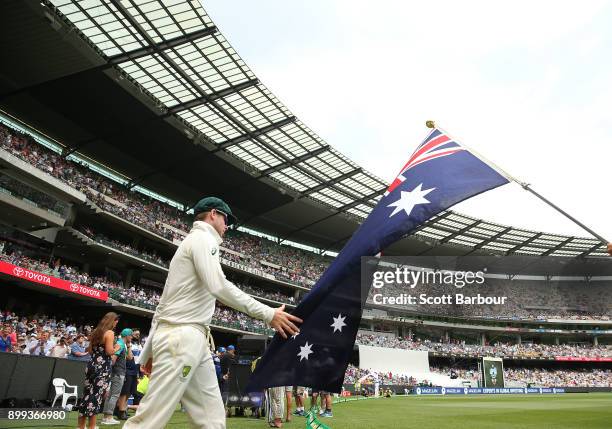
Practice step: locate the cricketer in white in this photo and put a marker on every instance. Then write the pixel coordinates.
(178, 346)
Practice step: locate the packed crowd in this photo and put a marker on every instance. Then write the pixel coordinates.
(284, 262)
(223, 316)
(516, 377)
(539, 377)
(43, 335)
(229, 318)
(272, 295)
(559, 377)
(149, 298)
(56, 336)
(22, 191)
(137, 295)
(526, 299)
(54, 269)
(524, 350)
(66, 338)
(123, 247)
(367, 376)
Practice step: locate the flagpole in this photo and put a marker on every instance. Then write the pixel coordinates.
(526, 186)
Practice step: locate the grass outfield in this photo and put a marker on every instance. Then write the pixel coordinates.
(567, 411)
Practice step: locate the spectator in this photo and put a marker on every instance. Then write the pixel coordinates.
(6, 345)
(78, 351)
(60, 350)
(12, 332)
(226, 362)
(21, 345)
(132, 371)
(141, 389)
(217, 362)
(32, 341)
(118, 375)
(98, 372)
(71, 329)
(43, 346)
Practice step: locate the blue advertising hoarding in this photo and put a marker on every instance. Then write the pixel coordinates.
(487, 390)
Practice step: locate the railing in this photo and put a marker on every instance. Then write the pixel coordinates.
(133, 252)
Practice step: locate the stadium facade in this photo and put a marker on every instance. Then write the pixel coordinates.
(118, 116)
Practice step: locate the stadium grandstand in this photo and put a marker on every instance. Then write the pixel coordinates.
(117, 116)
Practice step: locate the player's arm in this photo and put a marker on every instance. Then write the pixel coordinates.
(210, 272)
(610, 249)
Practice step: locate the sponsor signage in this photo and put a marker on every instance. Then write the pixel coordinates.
(429, 390)
(583, 359)
(54, 282)
(486, 390)
(455, 391)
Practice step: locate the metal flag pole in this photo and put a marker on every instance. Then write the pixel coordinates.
(527, 187)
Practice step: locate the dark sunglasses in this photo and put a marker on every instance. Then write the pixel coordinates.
(224, 215)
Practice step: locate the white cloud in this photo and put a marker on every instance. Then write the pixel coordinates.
(525, 83)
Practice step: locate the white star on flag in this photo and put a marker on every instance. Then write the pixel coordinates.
(408, 200)
(338, 323)
(305, 350)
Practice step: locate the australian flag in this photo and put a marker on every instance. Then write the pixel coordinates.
(438, 175)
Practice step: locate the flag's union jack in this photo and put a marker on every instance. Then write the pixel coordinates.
(436, 145)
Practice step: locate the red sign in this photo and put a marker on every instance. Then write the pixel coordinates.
(54, 282)
(583, 359)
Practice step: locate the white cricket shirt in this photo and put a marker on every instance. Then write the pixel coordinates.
(195, 281)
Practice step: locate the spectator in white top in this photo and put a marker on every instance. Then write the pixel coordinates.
(43, 346)
(71, 329)
(60, 350)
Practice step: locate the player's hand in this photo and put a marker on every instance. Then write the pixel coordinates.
(147, 367)
(282, 322)
(117, 347)
(610, 248)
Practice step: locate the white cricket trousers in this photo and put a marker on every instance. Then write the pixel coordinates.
(183, 370)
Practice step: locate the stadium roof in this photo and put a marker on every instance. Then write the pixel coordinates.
(161, 83)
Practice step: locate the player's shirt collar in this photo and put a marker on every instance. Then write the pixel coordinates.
(205, 226)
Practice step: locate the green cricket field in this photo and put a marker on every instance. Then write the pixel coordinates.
(566, 411)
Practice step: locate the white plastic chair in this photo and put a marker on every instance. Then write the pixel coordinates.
(64, 390)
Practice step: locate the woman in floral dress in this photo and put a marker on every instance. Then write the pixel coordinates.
(98, 372)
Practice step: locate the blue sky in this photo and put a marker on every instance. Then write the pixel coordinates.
(527, 84)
